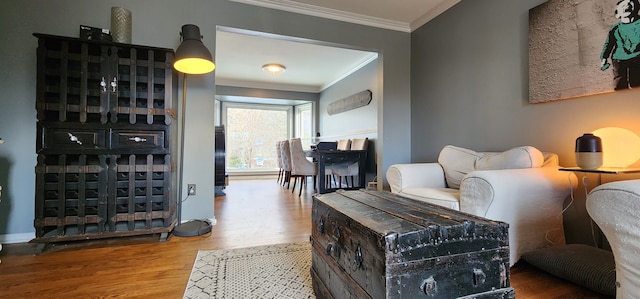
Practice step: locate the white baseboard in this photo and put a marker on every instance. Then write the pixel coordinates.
(17, 238)
(26, 237)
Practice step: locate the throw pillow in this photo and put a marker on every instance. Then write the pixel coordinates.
(518, 157)
(456, 163)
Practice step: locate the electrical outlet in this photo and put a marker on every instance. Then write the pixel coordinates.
(191, 189)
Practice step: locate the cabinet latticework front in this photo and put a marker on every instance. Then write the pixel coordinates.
(106, 158)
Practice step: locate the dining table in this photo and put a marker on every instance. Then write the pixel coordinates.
(324, 158)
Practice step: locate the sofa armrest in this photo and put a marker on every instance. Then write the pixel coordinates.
(530, 200)
(428, 175)
(486, 192)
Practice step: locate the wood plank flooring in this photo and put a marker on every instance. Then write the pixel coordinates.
(256, 212)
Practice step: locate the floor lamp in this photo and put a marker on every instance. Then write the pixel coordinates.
(192, 57)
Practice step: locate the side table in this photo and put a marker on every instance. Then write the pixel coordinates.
(598, 237)
(602, 170)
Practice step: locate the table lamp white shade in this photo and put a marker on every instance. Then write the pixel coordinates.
(620, 147)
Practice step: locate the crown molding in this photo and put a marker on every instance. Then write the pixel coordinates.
(360, 65)
(442, 7)
(327, 13)
(267, 85)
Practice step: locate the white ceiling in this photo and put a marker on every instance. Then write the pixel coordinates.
(312, 66)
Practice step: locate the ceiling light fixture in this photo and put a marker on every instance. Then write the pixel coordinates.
(274, 68)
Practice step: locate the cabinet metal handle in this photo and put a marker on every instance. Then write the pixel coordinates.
(103, 85)
(329, 249)
(429, 287)
(74, 138)
(321, 226)
(114, 85)
(503, 276)
(358, 258)
(478, 277)
(336, 232)
(138, 139)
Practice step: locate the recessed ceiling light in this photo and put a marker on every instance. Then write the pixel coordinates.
(274, 68)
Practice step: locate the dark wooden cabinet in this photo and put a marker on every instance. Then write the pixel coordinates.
(220, 158)
(105, 122)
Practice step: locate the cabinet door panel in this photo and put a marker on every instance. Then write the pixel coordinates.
(142, 75)
(70, 81)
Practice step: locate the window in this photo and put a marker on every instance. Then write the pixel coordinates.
(304, 124)
(252, 132)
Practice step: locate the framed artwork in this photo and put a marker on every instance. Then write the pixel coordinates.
(583, 47)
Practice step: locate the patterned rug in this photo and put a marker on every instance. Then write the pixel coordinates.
(271, 271)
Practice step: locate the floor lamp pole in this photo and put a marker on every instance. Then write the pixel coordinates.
(182, 137)
(193, 227)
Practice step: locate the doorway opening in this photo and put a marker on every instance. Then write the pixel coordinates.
(242, 88)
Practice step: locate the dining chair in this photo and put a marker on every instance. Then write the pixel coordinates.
(279, 161)
(301, 167)
(342, 145)
(351, 169)
(286, 162)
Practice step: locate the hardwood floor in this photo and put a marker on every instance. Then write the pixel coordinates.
(256, 212)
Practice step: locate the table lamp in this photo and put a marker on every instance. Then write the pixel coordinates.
(589, 151)
(621, 147)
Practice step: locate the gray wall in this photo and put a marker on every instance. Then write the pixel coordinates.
(469, 87)
(357, 123)
(157, 23)
(361, 122)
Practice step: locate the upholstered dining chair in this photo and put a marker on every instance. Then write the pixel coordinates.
(342, 145)
(301, 167)
(351, 169)
(286, 162)
(279, 161)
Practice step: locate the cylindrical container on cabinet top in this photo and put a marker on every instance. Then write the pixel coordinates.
(121, 25)
(589, 151)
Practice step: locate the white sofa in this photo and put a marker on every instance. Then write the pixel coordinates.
(521, 186)
(615, 207)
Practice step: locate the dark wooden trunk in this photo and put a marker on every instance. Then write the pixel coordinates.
(369, 244)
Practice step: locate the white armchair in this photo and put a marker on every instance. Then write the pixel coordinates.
(522, 187)
(615, 207)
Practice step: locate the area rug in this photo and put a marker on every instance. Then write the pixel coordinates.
(271, 271)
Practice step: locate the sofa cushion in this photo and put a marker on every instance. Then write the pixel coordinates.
(550, 160)
(445, 197)
(515, 158)
(457, 162)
